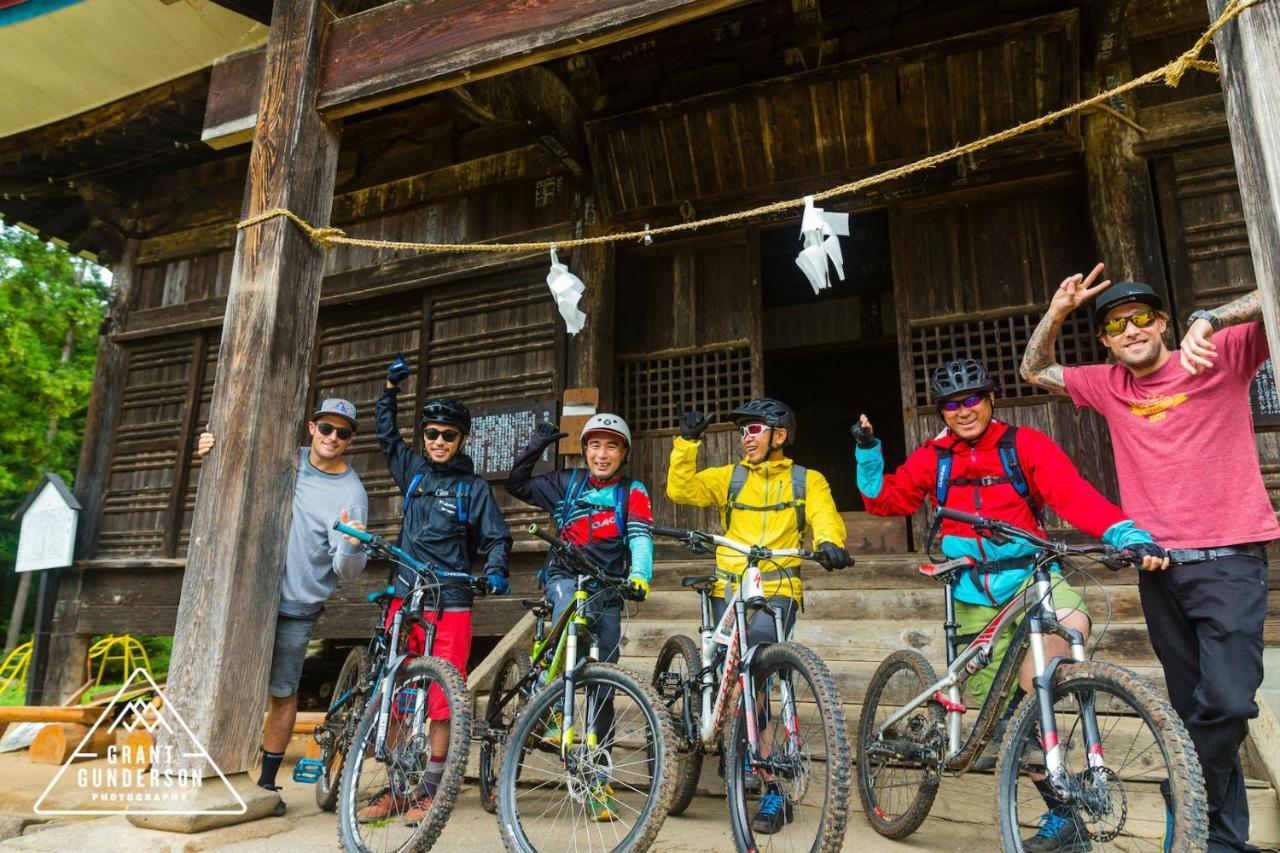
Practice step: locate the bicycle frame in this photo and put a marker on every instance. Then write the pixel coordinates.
(1036, 605)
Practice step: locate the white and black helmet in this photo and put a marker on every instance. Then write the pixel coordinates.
(611, 424)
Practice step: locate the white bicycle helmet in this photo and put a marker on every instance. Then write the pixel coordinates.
(611, 424)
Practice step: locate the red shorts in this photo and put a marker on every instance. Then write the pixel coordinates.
(453, 643)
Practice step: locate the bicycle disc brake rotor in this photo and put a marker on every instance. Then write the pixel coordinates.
(1104, 803)
(586, 770)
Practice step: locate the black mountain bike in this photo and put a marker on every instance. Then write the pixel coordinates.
(376, 736)
(1093, 736)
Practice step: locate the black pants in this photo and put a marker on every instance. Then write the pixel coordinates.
(1205, 621)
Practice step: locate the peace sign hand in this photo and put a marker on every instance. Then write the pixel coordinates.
(1076, 290)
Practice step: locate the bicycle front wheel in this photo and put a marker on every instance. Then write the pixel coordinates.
(602, 783)
(1147, 783)
(804, 757)
(345, 710)
(392, 801)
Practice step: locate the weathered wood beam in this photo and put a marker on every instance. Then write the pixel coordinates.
(1248, 52)
(231, 588)
(808, 15)
(409, 48)
(591, 350)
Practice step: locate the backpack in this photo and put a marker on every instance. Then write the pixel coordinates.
(573, 494)
(1013, 475)
(462, 496)
(739, 480)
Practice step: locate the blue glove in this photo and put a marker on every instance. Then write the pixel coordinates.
(498, 583)
(398, 370)
(1124, 534)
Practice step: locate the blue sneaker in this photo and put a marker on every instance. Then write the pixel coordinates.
(1058, 835)
(773, 814)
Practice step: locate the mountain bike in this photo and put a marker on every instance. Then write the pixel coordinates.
(588, 762)
(779, 700)
(1092, 737)
(384, 802)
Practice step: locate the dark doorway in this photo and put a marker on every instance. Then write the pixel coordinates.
(833, 355)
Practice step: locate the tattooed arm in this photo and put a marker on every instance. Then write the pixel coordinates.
(1197, 352)
(1039, 362)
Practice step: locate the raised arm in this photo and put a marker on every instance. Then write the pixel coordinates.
(1197, 352)
(1040, 364)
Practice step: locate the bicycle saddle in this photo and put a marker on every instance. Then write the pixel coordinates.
(537, 605)
(699, 582)
(948, 571)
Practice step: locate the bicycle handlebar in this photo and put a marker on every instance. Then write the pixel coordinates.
(582, 564)
(373, 542)
(1113, 558)
(698, 540)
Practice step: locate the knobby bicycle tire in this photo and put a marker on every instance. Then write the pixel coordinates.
(355, 669)
(433, 671)
(834, 815)
(1190, 811)
(688, 755)
(515, 665)
(906, 821)
(549, 699)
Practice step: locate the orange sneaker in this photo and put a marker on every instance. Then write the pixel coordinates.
(418, 810)
(382, 806)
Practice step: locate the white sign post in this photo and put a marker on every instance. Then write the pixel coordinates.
(47, 539)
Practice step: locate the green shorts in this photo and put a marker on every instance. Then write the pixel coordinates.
(972, 618)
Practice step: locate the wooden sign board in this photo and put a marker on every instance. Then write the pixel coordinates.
(1264, 397)
(580, 404)
(499, 433)
(47, 539)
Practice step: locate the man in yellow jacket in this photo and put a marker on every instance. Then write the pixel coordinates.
(766, 500)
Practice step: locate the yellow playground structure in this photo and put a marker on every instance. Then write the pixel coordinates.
(14, 668)
(116, 648)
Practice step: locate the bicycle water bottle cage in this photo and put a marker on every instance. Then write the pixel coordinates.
(308, 770)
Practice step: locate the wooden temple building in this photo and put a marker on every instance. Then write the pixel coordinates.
(468, 121)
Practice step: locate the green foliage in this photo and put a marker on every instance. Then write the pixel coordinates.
(45, 294)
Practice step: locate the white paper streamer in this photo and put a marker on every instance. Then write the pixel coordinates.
(567, 289)
(821, 232)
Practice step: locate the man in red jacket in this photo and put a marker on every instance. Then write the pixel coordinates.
(983, 466)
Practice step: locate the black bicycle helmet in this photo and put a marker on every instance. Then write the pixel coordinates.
(447, 411)
(958, 377)
(773, 413)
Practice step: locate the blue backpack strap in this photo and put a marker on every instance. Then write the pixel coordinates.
(941, 488)
(621, 504)
(572, 494)
(408, 493)
(799, 478)
(1008, 450)
(463, 498)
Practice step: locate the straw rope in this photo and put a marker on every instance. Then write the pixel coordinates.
(1170, 74)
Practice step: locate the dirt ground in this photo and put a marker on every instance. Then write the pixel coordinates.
(305, 828)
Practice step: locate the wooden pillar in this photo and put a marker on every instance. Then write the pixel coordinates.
(1248, 51)
(222, 649)
(67, 649)
(1122, 206)
(591, 350)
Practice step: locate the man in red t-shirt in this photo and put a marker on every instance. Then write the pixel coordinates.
(1188, 471)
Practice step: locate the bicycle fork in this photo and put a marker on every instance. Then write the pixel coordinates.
(570, 672)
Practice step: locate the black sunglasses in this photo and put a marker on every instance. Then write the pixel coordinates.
(449, 435)
(327, 429)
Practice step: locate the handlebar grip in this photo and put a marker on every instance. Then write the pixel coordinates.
(673, 532)
(962, 517)
(362, 535)
(543, 535)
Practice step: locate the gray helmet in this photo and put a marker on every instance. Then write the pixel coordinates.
(773, 413)
(447, 411)
(960, 376)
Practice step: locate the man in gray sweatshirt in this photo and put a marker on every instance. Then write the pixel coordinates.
(327, 489)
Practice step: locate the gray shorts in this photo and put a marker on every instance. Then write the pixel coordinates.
(761, 628)
(292, 635)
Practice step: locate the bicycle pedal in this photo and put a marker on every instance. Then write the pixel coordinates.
(308, 770)
(670, 685)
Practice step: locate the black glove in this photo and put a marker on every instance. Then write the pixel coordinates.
(863, 436)
(1139, 550)
(831, 556)
(693, 425)
(398, 370)
(546, 433)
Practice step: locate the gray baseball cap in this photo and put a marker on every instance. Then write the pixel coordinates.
(337, 406)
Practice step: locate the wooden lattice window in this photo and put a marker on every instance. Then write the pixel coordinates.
(999, 343)
(653, 389)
